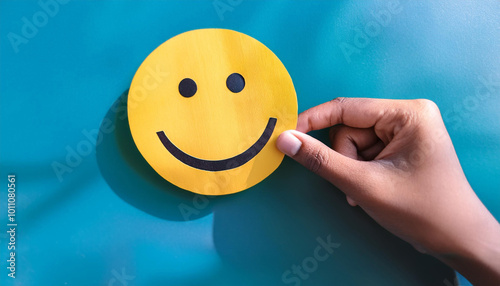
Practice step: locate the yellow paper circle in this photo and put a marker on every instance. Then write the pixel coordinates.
(217, 141)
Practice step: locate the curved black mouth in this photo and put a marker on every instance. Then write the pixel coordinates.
(220, 165)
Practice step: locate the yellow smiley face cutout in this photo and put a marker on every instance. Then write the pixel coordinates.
(205, 109)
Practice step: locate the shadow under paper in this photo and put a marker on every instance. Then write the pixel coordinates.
(132, 178)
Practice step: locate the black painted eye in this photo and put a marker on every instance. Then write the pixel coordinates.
(187, 87)
(235, 82)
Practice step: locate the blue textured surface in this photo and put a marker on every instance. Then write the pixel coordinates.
(112, 215)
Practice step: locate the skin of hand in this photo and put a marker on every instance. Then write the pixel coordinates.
(395, 160)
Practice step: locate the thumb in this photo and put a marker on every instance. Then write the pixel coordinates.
(345, 173)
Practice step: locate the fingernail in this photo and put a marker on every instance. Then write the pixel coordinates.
(288, 143)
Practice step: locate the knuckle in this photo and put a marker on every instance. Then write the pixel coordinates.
(427, 105)
(426, 111)
(418, 111)
(317, 161)
(339, 100)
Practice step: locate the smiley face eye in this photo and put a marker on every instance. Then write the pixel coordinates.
(187, 87)
(235, 82)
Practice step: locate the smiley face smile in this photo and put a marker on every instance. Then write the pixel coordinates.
(220, 165)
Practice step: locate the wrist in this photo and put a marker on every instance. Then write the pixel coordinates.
(477, 254)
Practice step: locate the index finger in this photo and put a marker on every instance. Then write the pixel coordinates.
(354, 112)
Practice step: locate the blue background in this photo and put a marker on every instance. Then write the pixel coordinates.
(113, 215)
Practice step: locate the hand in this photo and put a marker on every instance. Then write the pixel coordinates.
(395, 159)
